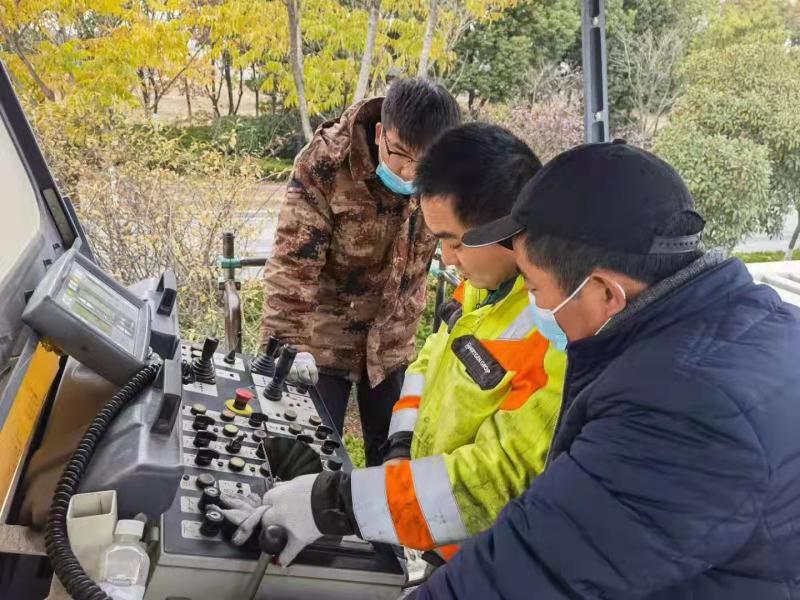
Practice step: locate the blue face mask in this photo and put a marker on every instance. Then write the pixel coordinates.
(545, 318)
(394, 182)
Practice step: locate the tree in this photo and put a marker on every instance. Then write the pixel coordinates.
(296, 59)
(430, 28)
(495, 59)
(743, 87)
(369, 47)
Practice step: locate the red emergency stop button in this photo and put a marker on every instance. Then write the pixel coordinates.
(242, 399)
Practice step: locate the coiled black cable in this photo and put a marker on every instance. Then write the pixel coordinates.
(64, 562)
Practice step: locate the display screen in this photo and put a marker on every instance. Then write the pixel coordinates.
(94, 303)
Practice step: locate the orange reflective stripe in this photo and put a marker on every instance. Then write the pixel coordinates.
(458, 293)
(406, 402)
(449, 551)
(409, 522)
(526, 359)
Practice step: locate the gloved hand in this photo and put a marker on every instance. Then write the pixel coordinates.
(289, 504)
(243, 511)
(304, 369)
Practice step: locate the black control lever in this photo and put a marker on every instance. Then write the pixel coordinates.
(271, 541)
(264, 363)
(203, 366)
(274, 391)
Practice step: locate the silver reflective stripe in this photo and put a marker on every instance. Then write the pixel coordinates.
(520, 327)
(435, 497)
(403, 420)
(371, 509)
(412, 385)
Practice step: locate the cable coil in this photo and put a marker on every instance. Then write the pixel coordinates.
(65, 564)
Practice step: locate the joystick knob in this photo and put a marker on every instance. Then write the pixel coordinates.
(264, 363)
(273, 540)
(235, 446)
(274, 390)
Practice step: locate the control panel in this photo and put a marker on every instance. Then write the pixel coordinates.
(240, 422)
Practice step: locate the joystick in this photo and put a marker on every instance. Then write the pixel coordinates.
(274, 390)
(264, 363)
(271, 541)
(203, 365)
(235, 446)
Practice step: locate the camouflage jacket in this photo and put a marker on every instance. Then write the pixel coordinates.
(346, 280)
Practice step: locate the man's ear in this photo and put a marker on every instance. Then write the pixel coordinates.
(614, 295)
(378, 132)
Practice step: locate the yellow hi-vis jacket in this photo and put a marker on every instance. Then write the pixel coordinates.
(480, 404)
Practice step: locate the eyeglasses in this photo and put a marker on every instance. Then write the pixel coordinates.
(405, 158)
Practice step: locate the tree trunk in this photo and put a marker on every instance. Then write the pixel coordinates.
(366, 59)
(188, 99)
(228, 81)
(296, 58)
(241, 92)
(427, 42)
(792, 242)
(256, 87)
(274, 95)
(145, 92)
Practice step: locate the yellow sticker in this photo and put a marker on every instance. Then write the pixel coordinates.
(24, 414)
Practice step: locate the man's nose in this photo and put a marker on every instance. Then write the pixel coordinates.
(409, 171)
(449, 258)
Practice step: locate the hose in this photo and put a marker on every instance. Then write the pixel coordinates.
(65, 565)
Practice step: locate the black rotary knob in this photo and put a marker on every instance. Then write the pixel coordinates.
(257, 419)
(328, 446)
(202, 422)
(205, 480)
(210, 496)
(203, 438)
(305, 438)
(212, 522)
(333, 463)
(322, 432)
(205, 456)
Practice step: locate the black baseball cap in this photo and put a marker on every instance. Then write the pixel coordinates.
(608, 195)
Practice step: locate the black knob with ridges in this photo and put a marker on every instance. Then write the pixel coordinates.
(202, 422)
(205, 456)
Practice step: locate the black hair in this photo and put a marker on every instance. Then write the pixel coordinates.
(572, 262)
(480, 168)
(419, 110)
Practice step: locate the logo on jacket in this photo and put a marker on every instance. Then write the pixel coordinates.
(481, 366)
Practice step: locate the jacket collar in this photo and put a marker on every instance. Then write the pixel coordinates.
(703, 283)
(362, 119)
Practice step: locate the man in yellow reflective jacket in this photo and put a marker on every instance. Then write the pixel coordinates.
(478, 407)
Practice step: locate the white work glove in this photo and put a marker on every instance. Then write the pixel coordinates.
(243, 511)
(304, 369)
(288, 504)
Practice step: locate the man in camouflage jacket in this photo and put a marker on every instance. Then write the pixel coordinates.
(347, 277)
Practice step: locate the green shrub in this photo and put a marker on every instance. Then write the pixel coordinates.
(757, 257)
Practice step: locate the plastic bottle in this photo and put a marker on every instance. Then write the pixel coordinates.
(125, 564)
